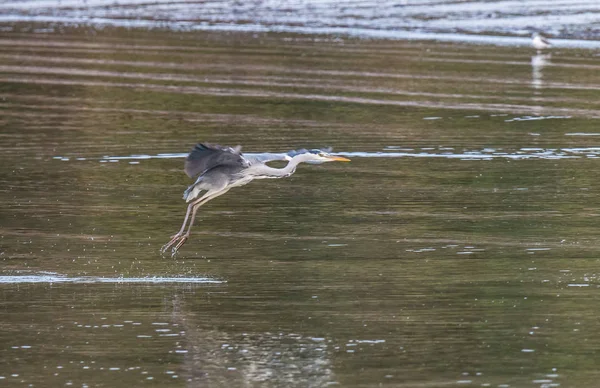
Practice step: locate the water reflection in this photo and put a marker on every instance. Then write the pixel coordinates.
(538, 62)
(276, 359)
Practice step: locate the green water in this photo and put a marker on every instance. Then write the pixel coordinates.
(428, 269)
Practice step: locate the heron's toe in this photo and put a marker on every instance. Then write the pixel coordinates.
(165, 247)
(182, 241)
(174, 239)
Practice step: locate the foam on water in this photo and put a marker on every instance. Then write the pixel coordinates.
(429, 152)
(56, 278)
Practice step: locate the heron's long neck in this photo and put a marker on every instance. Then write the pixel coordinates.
(265, 171)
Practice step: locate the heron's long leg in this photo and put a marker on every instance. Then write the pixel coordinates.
(178, 235)
(185, 219)
(207, 197)
(196, 206)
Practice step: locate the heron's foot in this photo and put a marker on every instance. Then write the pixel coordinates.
(182, 241)
(174, 239)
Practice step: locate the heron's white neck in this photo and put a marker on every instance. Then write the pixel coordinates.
(264, 171)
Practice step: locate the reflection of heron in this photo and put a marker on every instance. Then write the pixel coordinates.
(538, 62)
(539, 41)
(217, 358)
(221, 168)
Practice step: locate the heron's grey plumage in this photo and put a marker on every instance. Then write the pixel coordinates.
(216, 178)
(218, 169)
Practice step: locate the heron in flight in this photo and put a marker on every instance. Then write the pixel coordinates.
(219, 169)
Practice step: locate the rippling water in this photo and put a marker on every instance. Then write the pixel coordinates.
(459, 247)
(506, 22)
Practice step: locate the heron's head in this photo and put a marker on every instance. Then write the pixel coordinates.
(319, 156)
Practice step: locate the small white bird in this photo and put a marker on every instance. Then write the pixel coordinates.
(539, 42)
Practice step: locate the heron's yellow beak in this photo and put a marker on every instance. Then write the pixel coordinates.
(338, 159)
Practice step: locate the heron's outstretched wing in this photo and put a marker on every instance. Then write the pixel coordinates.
(206, 156)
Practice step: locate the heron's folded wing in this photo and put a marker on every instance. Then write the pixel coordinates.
(206, 156)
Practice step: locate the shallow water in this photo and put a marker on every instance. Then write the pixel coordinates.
(459, 247)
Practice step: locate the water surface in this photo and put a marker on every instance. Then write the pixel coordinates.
(459, 247)
(506, 22)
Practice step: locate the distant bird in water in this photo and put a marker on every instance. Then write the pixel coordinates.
(539, 41)
(221, 168)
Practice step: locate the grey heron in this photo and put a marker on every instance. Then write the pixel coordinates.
(219, 169)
